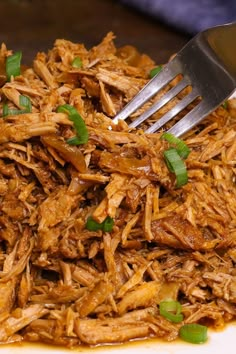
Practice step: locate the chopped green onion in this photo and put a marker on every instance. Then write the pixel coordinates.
(225, 105)
(155, 71)
(93, 225)
(193, 333)
(176, 165)
(77, 62)
(26, 103)
(5, 110)
(73, 141)
(11, 112)
(79, 124)
(108, 224)
(179, 144)
(105, 226)
(13, 63)
(171, 310)
(173, 157)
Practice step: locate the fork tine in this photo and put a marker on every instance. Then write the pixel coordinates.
(193, 117)
(159, 104)
(196, 115)
(167, 74)
(174, 111)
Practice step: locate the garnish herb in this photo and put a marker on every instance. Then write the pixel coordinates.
(93, 225)
(182, 149)
(174, 158)
(155, 71)
(171, 310)
(193, 333)
(105, 226)
(79, 124)
(225, 105)
(108, 224)
(176, 165)
(73, 141)
(13, 63)
(24, 102)
(77, 62)
(5, 110)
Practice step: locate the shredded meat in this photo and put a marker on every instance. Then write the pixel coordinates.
(64, 284)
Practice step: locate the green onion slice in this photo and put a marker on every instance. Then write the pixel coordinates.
(10, 112)
(225, 105)
(5, 110)
(171, 310)
(155, 71)
(77, 62)
(25, 103)
(79, 124)
(73, 141)
(193, 333)
(108, 224)
(179, 144)
(13, 63)
(105, 226)
(93, 225)
(176, 165)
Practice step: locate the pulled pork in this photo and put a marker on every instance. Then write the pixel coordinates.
(63, 284)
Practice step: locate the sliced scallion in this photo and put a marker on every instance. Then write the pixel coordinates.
(74, 140)
(225, 105)
(182, 149)
(13, 63)
(93, 225)
(77, 62)
(25, 103)
(171, 310)
(105, 226)
(13, 112)
(176, 165)
(79, 124)
(108, 224)
(155, 71)
(193, 333)
(5, 110)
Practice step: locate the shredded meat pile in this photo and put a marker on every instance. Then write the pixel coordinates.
(63, 284)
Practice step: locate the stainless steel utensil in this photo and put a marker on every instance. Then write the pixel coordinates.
(207, 63)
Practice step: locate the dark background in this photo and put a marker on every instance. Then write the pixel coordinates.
(33, 25)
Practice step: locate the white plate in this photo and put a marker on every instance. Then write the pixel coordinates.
(234, 94)
(222, 342)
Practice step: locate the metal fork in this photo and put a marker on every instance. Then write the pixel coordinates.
(207, 63)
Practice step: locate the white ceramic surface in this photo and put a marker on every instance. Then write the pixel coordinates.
(222, 342)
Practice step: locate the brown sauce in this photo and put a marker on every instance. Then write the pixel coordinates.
(142, 344)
